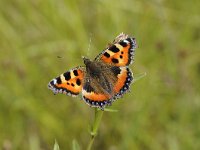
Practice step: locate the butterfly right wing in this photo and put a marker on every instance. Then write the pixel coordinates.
(94, 95)
(70, 82)
(120, 52)
(118, 78)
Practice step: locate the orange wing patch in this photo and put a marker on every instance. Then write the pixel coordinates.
(121, 80)
(95, 96)
(70, 82)
(96, 100)
(123, 83)
(121, 53)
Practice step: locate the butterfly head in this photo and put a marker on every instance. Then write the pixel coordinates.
(86, 61)
(92, 67)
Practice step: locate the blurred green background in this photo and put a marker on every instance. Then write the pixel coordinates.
(40, 39)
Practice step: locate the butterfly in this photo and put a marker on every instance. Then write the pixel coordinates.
(102, 80)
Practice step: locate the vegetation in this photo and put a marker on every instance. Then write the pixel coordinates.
(40, 39)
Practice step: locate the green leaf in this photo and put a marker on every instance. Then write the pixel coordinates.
(110, 110)
(139, 76)
(56, 146)
(75, 145)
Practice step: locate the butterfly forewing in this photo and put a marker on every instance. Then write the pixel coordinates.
(70, 82)
(120, 53)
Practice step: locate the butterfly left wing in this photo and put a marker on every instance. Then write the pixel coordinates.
(70, 82)
(120, 52)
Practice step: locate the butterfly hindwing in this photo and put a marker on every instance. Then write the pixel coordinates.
(97, 90)
(120, 79)
(70, 82)
(120, 52)
(124, 80)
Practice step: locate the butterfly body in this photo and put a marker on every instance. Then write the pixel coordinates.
(102, 80)
(100, 76)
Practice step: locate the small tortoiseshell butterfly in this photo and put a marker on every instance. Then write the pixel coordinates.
(103, 79)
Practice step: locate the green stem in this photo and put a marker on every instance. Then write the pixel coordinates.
(97, 119)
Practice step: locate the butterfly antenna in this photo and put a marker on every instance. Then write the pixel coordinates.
(90, 41)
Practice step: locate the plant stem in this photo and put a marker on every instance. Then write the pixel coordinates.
(97, 119)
